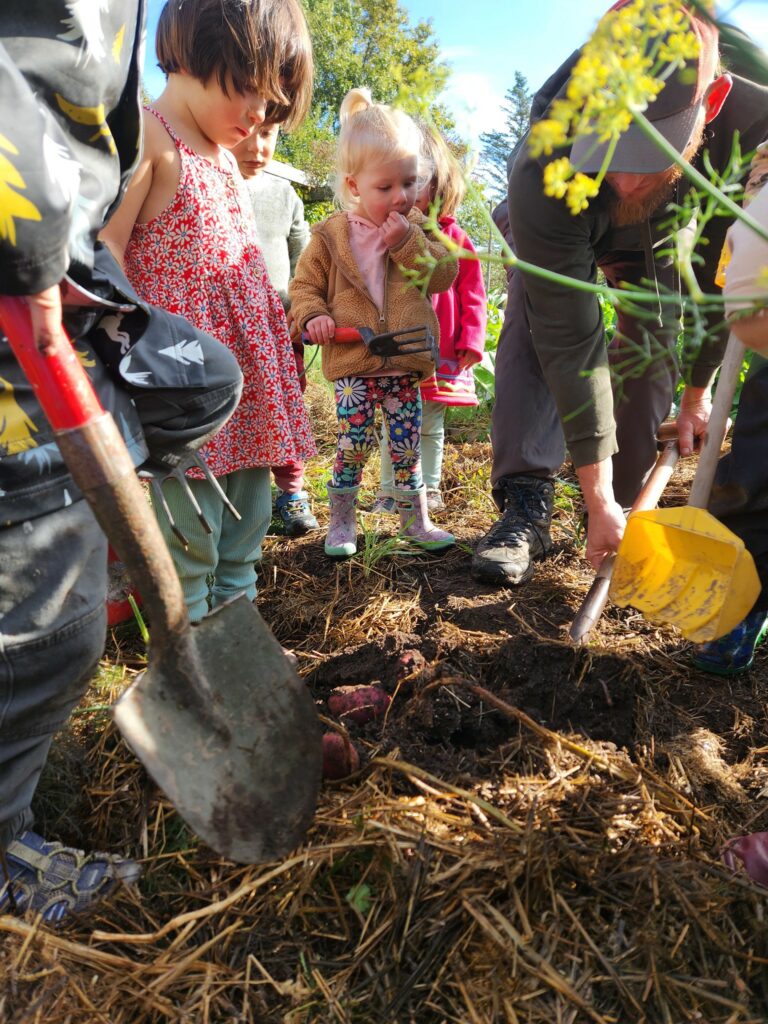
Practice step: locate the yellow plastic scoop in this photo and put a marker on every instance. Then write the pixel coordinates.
(681, 566)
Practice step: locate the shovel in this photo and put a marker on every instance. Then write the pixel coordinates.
(597, 596)
(680, 565)
(220, 719)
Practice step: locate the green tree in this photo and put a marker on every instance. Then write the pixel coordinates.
(364, 43)
(497, 145)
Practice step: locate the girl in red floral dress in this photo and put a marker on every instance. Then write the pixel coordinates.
(184, 234)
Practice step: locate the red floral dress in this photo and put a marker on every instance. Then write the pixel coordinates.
(199, 258)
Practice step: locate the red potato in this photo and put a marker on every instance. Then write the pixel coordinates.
(340, 757)
(359, 704)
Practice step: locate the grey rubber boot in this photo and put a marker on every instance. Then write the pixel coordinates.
(341, 541)
(505, 555)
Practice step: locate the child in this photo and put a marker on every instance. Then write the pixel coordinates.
(186, 235)
(461, 312)
(350, 276)
(282, 234)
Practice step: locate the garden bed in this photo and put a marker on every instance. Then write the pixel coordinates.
(552, 856)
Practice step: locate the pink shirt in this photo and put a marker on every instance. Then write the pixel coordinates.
(370, 252)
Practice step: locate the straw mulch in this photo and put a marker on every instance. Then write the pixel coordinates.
(533, 836)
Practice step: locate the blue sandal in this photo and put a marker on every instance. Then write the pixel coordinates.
(55, 880)
(734, 652)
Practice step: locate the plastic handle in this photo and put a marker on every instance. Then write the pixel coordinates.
(340, 334)
(58, 379)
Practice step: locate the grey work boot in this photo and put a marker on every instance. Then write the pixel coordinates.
(506, 553)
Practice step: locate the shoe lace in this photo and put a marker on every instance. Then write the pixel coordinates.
(524, 503)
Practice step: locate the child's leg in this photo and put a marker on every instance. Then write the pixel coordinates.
(195, 563)
(290, 478)
(356, 400)
(432, 441)
(387, 482)
(240, 541)
(401, 412)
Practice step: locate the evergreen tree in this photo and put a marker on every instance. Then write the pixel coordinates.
(497, 145)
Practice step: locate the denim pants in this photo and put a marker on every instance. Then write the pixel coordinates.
(53, 588)
(432, 442)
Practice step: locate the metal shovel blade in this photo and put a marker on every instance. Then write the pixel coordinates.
(246, 771)
(682, 567)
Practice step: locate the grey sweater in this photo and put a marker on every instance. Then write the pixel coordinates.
(282, 232)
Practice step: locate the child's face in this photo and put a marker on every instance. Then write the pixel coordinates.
(254, 153)
(425, 197)
(224, 119)
(386, 188)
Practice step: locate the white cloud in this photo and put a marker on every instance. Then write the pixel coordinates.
(475, 104)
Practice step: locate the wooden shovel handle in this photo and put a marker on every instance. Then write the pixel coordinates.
(593, 604)
(718, 422)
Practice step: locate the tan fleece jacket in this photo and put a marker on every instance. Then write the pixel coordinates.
(328, 282)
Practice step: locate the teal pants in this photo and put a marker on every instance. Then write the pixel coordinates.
(432, 441)
(227, 555)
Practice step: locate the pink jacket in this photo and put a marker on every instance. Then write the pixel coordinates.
(462, 314)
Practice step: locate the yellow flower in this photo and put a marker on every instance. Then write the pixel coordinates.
(546, 136)
(556, 176)
(581, 189)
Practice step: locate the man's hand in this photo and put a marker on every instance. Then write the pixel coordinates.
(604, 532)
(320, 329)
(693, 417)
(45, 312)
(606, 516)
(394, 229)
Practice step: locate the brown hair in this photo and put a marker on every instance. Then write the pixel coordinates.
(259, 45)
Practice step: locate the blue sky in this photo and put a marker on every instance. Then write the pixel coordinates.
(486, 41)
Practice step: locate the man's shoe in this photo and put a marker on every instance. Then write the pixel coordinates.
(506, 553)
(734, 652)
(55, 881)
(295, 513)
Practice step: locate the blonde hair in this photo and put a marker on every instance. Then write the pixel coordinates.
(372, 132)
(447, 174)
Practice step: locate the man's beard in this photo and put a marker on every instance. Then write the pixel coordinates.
(635, 211)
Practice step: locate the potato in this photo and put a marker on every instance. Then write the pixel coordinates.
(359, 704)
(340, 757)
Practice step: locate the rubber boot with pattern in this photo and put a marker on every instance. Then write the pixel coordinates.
(505, 555)
(341, 541)
(415, 523)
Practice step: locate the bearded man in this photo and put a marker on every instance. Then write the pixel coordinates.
(557, 383)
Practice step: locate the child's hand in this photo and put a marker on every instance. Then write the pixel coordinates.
(394, 229)
(467, 357)
(320, 329)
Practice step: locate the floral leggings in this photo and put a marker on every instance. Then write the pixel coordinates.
(356, 401)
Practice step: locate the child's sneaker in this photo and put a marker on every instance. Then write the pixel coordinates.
(295, 513)
(384, 504)
(435, 501)
(55, 880)
(734, 652)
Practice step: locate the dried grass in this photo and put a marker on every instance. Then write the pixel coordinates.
(544, 878)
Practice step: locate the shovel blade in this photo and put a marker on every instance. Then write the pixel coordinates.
(244, 774)
(682, 567)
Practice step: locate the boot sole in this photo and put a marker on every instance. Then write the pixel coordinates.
(495, 573)
(342, 552)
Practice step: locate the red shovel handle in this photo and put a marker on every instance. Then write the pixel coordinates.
(60, 382)
(339, 334)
